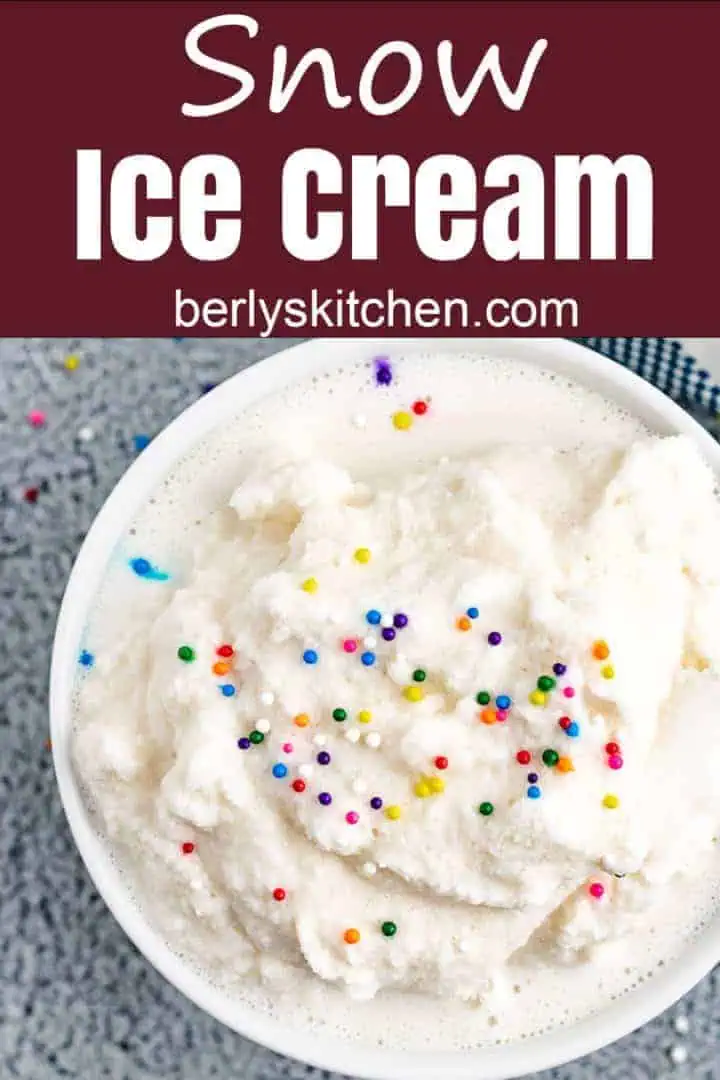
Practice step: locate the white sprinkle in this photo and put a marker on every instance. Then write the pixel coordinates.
(359, 786)
(386, 620)
(373, 740)
(352, 734)
(359, 420)
(319, 740)
(85, 434)
(267, 697)
(369, 869)
(370, 641)
(681, 1024)
(305, 771)
(678, 1054)
(263, 726)
(463, 945)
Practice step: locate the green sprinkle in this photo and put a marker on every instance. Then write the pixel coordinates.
(483, 698)
(389, 929)
(546, 683)
(339, 715)
(486, 809)
(550, 757)
(186, 653)
(419, 676)
(256, 737)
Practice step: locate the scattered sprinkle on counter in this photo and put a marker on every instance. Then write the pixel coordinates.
(37, 418)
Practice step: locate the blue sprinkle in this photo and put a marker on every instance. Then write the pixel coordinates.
(368, 659)
(227, 690)
(310, 656)
(178, 339)
(533, 792)
(373, 617)
(472, 613)
(279, 771)
(86, 658)
(145, 569)
(573, 730)
(141, 441)
(207, 387)
(503, 701)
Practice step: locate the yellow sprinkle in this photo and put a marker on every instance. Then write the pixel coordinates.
(611, 802)
(537, 697)
(362, 555)
(422, 789)
(310, 585)
(301, 720)
(413, 693)
(71, 362)
(402, 420)
(437, 784)
(364, 716)
(393, 813)
(607, 672)
(702, 664)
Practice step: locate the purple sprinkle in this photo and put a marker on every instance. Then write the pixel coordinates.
(532, 778)
(383, 371)
(559, 669)
(494, 637)
(376, 802)
(325, 798)
(400, 620)
(244, 743)
(388, 633)
(323, 758)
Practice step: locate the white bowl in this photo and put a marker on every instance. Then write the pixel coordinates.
(496, 1063)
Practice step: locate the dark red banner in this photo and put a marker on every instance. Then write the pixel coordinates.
(359, 167)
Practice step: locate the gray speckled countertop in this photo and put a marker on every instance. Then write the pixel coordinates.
(76, 999)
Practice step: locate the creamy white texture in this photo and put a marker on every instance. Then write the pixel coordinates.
(558, 544)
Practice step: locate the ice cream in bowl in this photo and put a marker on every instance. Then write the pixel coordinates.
(384, 701)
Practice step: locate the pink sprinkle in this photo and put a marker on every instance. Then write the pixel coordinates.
(615, 761)
(352, 818)
(596, 890)
(36, 418)
(501, 714)
(287, 747)
(569, 692)
(350, 645)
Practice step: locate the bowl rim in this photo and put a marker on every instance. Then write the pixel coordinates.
(275, 372)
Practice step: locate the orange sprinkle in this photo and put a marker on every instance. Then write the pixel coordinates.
(601, 650)
(488, 716)
(565, 764)
(351, 936)
(48, 744)
(301, 720)
(464, 623)
(221, 667)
